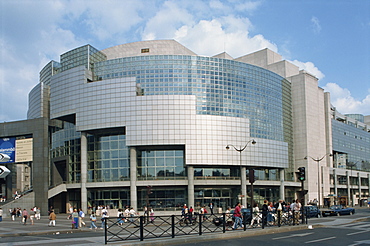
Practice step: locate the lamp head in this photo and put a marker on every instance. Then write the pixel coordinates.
(305, 158)
(253, 141)
(227, 147)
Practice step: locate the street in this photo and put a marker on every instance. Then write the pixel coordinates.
(335, 230)
(357, 233)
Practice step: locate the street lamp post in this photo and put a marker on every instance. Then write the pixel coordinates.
(242, 170)
(318, 175)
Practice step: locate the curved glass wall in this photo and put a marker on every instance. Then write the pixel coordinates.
(222, 87)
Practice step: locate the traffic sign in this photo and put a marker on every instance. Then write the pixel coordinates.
(4, 171)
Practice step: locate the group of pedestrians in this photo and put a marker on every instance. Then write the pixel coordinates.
(269, 214)
(33, 214)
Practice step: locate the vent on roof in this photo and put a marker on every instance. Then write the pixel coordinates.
(146, 50)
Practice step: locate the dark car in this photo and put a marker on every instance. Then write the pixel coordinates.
(338, 210)
(312, 211)
(246, 215)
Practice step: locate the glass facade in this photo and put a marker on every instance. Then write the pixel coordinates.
(114, 198)
(66, 142)
(220, 197)
(222, 87)
(162, 198)
(161, 164)
(108, 158)
(83, 56)
(351, 147)
(217, 173)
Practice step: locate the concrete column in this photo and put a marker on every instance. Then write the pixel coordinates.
(243, 179)
(368, 187)
(282, 187)
(190, 186)
(335, 182)
(359, 188)
(349, 194)
(133, 178)
(83, 171)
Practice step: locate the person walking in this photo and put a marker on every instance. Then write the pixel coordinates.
(24, 216)
(237, 216)
(1, 214)
(211, 208)
(52, 218)
(81, 216)
(93, 220)
(75, 219)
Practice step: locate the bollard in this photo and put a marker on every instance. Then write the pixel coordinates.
(142, 219)
(173, 225)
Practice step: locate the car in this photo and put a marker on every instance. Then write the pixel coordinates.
(312, 211)
(338, 210)
(246, 214)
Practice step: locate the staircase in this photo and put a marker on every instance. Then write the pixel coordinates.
(57, 190)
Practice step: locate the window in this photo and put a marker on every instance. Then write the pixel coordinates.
(146, 50)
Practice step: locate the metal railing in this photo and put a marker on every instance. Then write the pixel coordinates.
(147, 227)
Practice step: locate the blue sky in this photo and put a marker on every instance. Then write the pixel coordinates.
(329, 39)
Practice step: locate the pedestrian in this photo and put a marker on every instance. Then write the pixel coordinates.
(1, 214)
(75, 219)
(32, 215)
(265, 210)
(132, 214)
(103, 218)
(297, 211)
(211, 208)
(52, 218)
(93, 220)
(38, 213)
(151, 213)
(120, 216)
(14, 214)
(24, 216)
(81, 217)
(237, 216)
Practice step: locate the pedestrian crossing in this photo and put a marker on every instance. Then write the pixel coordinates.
(361, 225)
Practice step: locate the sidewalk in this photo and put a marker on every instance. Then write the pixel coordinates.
(9, 228)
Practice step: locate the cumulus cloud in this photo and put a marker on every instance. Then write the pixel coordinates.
(316, 27)
(345, 103)
(310, 68)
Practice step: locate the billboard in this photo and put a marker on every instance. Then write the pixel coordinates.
(18, 150)
(7, 146)
(23, 150)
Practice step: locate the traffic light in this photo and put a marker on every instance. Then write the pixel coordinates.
(301, 174)
(251, 176)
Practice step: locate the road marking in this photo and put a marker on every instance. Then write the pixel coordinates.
(319, 240)
(358, 232)
(294, 235)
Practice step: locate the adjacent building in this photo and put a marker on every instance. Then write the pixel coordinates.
(147, 123)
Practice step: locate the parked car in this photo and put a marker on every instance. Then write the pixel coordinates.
(338, 210)
(312, 211)
(246, 214)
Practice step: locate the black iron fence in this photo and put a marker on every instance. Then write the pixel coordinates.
(146, 227)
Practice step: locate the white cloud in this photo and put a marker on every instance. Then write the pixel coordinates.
(316, 27)
(342, 99)
(228, 33)
(310, 68)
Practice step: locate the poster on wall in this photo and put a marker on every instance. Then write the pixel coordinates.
(23, 150)
(7, 147)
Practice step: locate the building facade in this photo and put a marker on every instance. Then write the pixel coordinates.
(147, 123)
